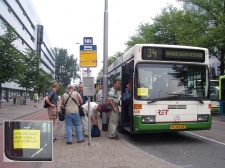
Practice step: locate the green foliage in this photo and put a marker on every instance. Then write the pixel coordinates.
(43, 82)
(111, 60)
(66, 67)
(201, 25)
(61, 90)
(29, 70)
(212, 12)
(10, 57)
(172, 26)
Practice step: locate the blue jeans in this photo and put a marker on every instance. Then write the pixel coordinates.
(73, 119)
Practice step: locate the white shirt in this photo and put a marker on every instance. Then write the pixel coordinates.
(100, 94)
(93, 105)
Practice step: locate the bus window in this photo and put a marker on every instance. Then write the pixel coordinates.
(214, 90)
(28, 141)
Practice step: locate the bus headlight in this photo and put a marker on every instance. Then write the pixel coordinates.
(202, 118)
(147, 119)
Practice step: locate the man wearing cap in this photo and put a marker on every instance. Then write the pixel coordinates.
(72, 114)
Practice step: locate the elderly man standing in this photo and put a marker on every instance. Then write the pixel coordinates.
(72, 114)
(114, 113)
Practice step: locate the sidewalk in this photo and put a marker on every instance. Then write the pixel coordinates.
(102, 153)
(9, 111)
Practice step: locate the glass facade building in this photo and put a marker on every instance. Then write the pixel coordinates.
(22, 16)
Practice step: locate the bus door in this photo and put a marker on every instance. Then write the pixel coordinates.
(222, 94)
(126, 118)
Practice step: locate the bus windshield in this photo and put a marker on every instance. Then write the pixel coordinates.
(154, 81)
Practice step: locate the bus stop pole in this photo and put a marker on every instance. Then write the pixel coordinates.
(105, 67)
(89, 115)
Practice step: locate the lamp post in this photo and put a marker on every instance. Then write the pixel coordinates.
(105, 66)
(81, 71)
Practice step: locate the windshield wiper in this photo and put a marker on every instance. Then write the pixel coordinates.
(186, 96)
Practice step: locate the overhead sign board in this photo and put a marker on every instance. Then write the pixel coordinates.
(88, 40)
(88, 55)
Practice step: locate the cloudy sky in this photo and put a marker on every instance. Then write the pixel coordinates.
(67, 22)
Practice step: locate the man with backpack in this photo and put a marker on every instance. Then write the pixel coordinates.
(51, 99)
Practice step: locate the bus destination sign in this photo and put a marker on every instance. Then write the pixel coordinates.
(172, 54)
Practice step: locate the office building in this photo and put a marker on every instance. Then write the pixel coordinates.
(22, 16)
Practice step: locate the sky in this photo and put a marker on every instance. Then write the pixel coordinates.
(67, 22)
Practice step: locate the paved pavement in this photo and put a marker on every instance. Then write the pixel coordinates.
(101, 153)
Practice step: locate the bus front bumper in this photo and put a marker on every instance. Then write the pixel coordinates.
(139, 127)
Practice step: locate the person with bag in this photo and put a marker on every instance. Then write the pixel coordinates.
(72, 114)
(95, 131)
(114, 113)
(51, 99)
(84, 118)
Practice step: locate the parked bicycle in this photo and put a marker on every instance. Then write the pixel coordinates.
(23, 101)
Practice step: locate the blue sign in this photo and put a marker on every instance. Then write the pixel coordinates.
(88, 47)
(88, 40)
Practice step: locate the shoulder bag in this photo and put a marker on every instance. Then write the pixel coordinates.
(105, 107)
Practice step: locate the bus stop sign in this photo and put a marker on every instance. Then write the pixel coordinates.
(88, 55)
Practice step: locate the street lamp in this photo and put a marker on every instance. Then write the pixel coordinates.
(81, 75)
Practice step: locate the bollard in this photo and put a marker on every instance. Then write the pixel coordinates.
(14, 100)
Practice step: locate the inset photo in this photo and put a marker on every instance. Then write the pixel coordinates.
(28, 141)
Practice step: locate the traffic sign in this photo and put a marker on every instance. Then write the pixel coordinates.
(88, 55)
(88, 40)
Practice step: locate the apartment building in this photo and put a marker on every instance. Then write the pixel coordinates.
(22, 16)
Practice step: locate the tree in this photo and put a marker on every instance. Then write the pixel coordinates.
(202, 25)
(213, 13)
(10, 57)
(111, 60)
(29, 71)
(66, 67)
(172, 26)
(43, 82)
(162, 31)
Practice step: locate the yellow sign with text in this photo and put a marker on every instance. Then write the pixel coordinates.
(142, 92)
(29, 139)
(88, 58)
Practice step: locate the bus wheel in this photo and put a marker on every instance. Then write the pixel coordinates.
(120, 129)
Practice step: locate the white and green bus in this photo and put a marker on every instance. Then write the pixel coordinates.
(166, 93)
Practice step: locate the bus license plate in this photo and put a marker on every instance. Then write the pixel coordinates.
(177, 126)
